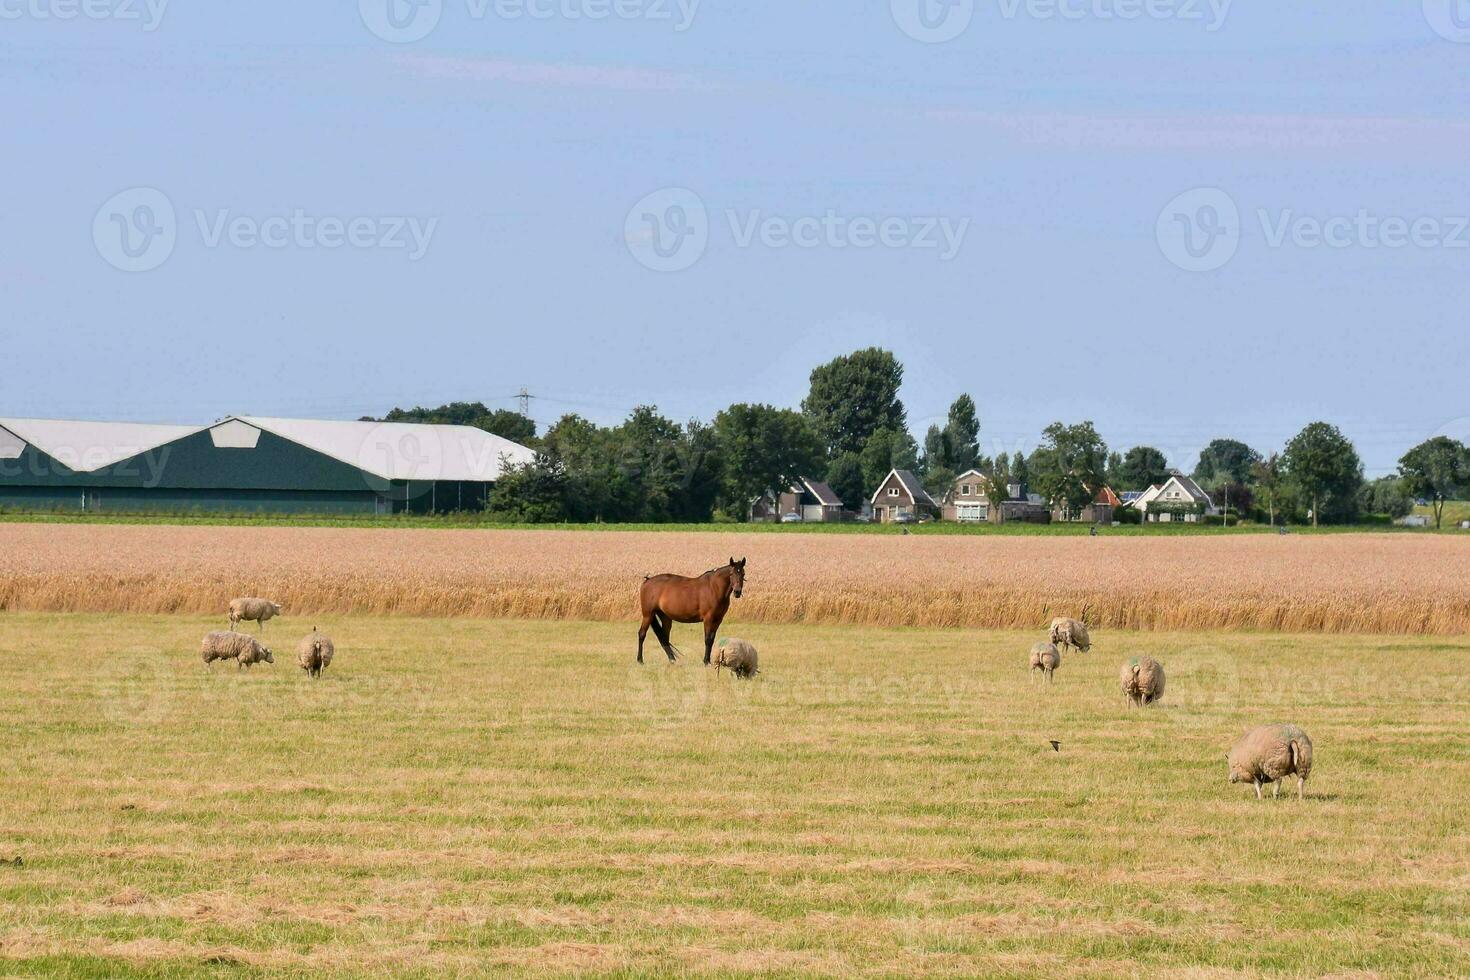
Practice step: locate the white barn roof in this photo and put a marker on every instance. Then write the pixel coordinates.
(403, 450)
(390, 450)
(88, 446)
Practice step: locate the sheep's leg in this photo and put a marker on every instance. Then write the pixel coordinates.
(1258, 790)
(1301, 788)
(1276, 790)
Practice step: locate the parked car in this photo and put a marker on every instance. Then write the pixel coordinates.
(903, 517)
(791, 517)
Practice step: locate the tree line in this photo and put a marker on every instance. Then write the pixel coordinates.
(852, 428)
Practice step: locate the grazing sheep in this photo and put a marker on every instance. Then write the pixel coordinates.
(314, 652)
(242, 648)
(1270, 753)
(1143, 680)
(1046, 658)
(739, 656)
(1070, 634)
(258, 610)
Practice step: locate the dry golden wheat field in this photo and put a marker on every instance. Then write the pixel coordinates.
(1350, 583)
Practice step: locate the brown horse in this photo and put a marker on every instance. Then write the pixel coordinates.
(668, 599)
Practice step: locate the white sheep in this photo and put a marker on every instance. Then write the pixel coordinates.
(258, 610)
(1046, 658)
(314, 652)
(1070, 634)
(242, 648)
(1143, 680)
(1269, 754)
(738, 655)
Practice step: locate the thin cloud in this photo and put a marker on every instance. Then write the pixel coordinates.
(541, 75)
(1242, 132)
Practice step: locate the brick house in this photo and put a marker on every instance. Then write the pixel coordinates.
(812, 499)
(901, 498)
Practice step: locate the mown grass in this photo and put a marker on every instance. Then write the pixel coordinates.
(468, 796)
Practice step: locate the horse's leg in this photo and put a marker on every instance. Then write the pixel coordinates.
(662, 625)
(711, 627)
(643, 632)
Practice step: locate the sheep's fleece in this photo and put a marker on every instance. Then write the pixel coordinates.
(229, 645)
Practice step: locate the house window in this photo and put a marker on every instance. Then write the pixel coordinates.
(965, 490)
(893, 491)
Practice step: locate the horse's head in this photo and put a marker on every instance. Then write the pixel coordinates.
(737, 575)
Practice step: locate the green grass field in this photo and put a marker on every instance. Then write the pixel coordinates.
(469, 520)
(473, 796)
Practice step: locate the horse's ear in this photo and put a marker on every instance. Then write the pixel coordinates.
(742, 563)
(732, 559)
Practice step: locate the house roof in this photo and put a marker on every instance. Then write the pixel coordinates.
(824, 494)
(1188, 485)
(403, 450)
(84, 447)
(1107, 496)
(391, 450)
(910, 483)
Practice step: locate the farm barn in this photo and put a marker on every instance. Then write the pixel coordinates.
(248, 464)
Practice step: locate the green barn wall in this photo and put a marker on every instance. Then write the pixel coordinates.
(192, 474)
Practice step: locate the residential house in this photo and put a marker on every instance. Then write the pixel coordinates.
(1100, 511)
(812, 499)
(901, 497)
(968, 500)
(1178, 498)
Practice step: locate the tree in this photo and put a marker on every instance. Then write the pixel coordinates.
(1000, 473)
(853, 397)
(535, 492)
(1267, 476)
(962, 435)
(939, 481)
(1324, 467)
(1438, 470)
(845, 477)
(763, 449)
(1225, 461)
(501, 422)
(1143, 467)
(1388, 495)
(1020, 471)
(938, 452)
(1070, 466)
(886, 450)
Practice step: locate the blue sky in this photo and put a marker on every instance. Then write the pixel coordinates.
(518, 148)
